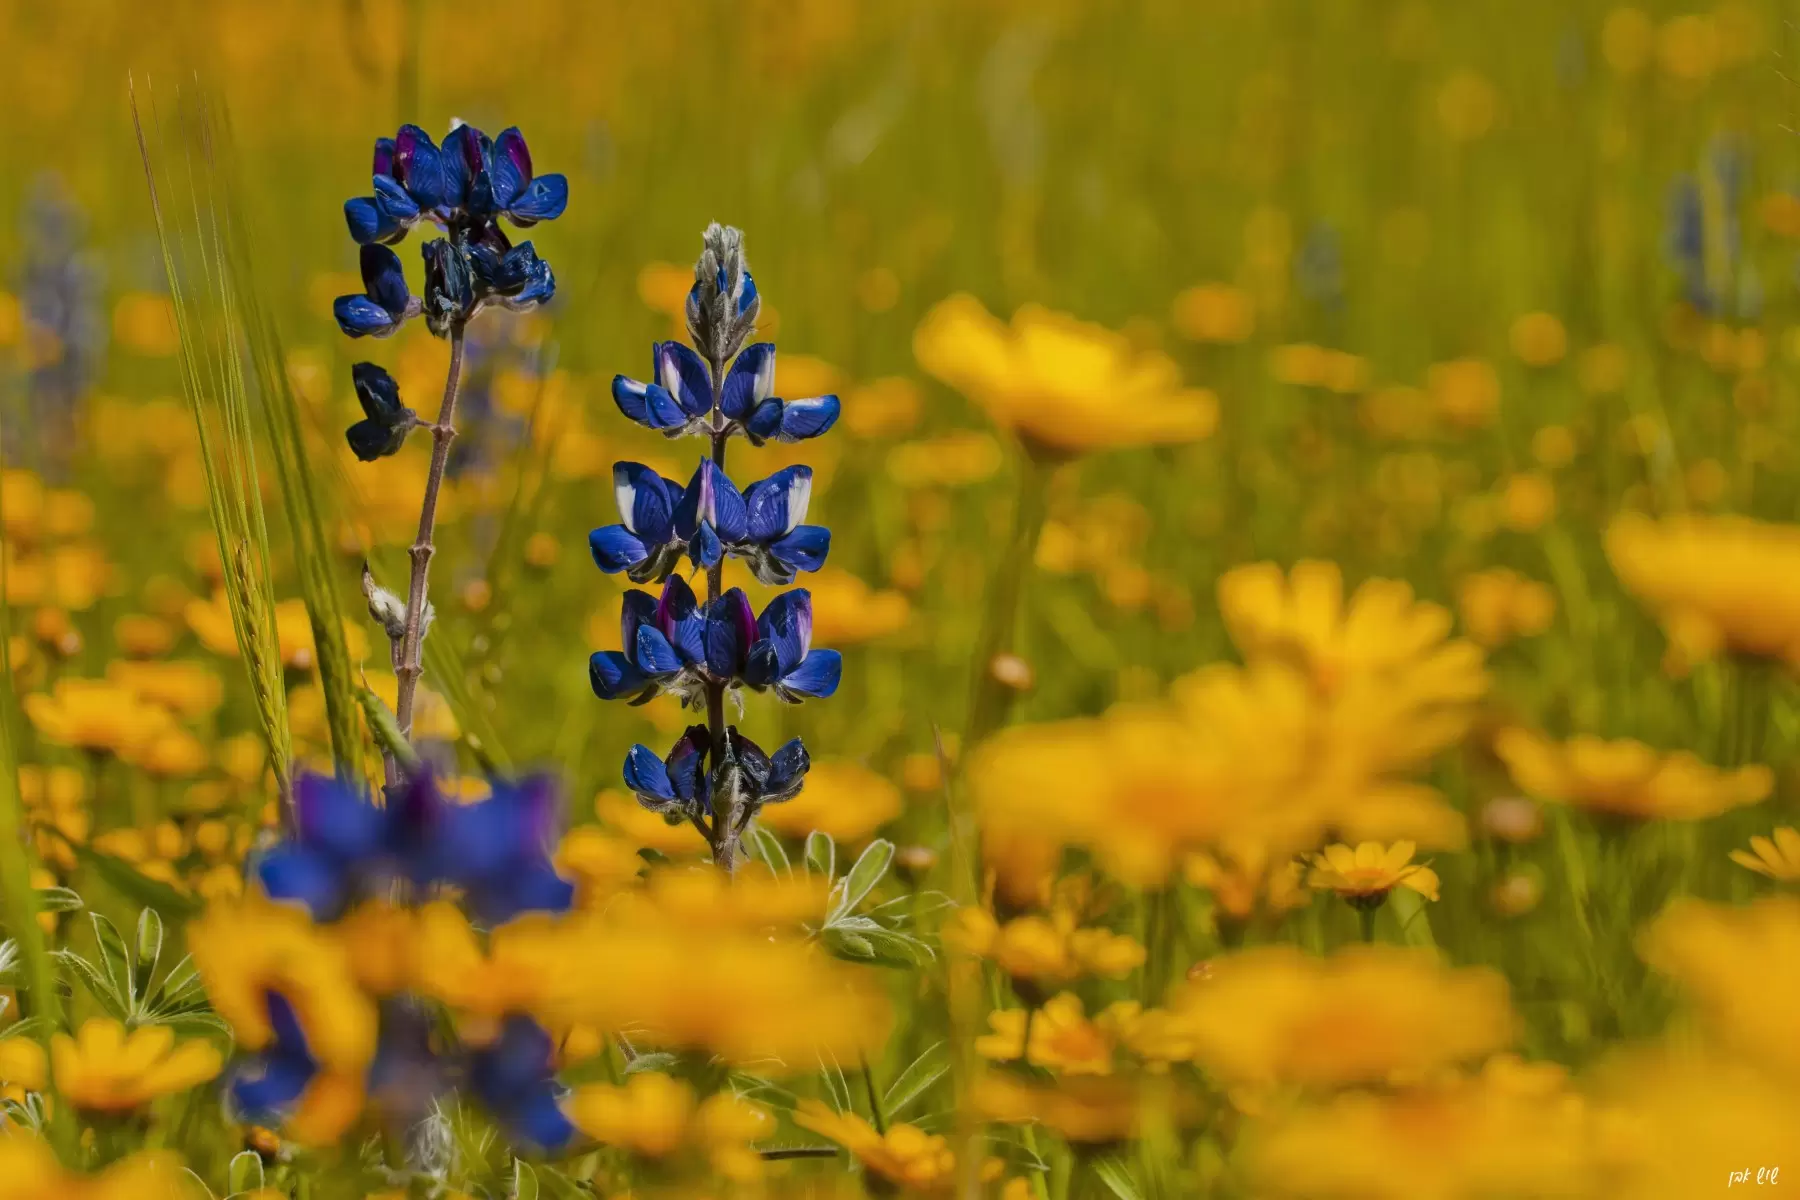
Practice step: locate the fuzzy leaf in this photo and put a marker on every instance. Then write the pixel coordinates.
(821, 854)
(524, 1181)
(95, 981)
(919, 1075)
(245, 1173)
(115, 960)
(862, 878)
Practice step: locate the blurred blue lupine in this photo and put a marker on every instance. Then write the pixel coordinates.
(704, 652)
(65, 325)
(494, 855)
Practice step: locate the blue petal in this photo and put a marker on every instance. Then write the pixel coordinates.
(419, 166)
(776, 504)
(384, 156)
(396, 206)
(729, 632)
(750, 381)
(686, 375)
(655, 656)
(613, 676)
(805, 548)
(333, 817)
(730, 518)
(678, 616)
(616, 549)
(367, 222)
(765, 421)
(371, 439)
(277, 1084)
(817, 676)
(687, 768)
(695, 505)
(543, 199)
(377, 392)
(636, 610)
(305, 876)
(786, 622)
(801, 419)
(746, 294)
(762, 666)
(644, 502)
(535, 887)
(646, 775)
(360, 316)
(509, 167)
(787, 766)
(384, 279)
(704, 548)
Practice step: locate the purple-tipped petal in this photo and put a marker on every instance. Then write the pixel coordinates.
(419, 167)
(816, 677)
(509, 167)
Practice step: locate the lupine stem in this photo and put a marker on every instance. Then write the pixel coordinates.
(725, 831)
(412, 641)
(991, 696)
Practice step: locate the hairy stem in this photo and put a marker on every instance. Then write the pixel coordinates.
(412, 641)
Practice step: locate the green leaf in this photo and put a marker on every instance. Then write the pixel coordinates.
(98, 985)
(919, 1075)
(863, 877)
(115, 960)
(134, 885)
(58, 899)
(763, 1092)
(195, 1024)
(180, 987)
(656, 1060)
(1117, 1177)
(768, 847)
(821, 855)
(387, 730)
(849, 945)
(524, 1181)
(245, 1173)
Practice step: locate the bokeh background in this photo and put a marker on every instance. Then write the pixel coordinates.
(1467, 281)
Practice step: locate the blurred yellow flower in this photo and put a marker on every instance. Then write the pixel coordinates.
(888, 407)
(1499, 605)
(1454, 1143)
(1604, 369)
(1467, 105)
(1366, 873)
(1626, 40)
(848, 612)
(1084, 1109)
(1383, 635)
(841, 798)
(1064, 386)
(1214, 312)
(144, 323)
(1043, 949)
(598, 863)
(1688, 47)
(1527, 501)
(1740, 967)
(1244, 879)
(1539, 339)
(98, 715)
(948, 460)
(1367, 1014)
(105, 1069)
(211, 623)
(29, 1170)
(142, 636)
(1061, 1038)
(1626, 778)
(1678, 1125)
(187, 689)
(905, 1156)
(1465, 391)
(1715, 583)
(620, 813)
(1779, 858)
(653, 1116)
(247, 951)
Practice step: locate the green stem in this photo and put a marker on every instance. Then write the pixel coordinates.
(875, 1112)
(1365, 918)
(990, 697)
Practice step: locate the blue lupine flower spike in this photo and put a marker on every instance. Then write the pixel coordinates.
(385, 305)
(386, 421)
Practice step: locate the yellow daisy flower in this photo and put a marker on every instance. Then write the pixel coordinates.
(1626, 778)
(1778, 858)
(1365, 874)
(103, 1068)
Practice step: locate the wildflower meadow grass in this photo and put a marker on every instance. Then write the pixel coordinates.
(1197, 598)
